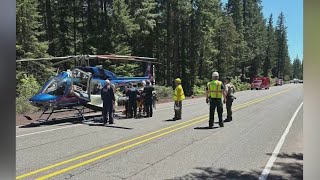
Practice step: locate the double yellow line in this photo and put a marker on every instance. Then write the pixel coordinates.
(173, 129)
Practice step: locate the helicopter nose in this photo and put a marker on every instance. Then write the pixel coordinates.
(43, 98)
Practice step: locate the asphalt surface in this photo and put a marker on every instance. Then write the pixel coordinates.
(188, 150)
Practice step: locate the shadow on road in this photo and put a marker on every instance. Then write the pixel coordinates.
(280, 171)
(205, 127)
(110, 126)
(297, 156)
(168, 120)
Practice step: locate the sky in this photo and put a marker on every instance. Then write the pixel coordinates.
(293, 13)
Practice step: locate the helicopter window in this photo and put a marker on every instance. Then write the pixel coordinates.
(56, 87)
(80, 81)
(95, 87)
(102, 74)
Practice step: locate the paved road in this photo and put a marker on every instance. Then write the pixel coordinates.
(156, 148)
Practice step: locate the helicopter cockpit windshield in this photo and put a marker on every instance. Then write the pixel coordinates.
(56, 86)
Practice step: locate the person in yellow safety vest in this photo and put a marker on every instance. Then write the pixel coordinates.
(178, 97)
(214, 93)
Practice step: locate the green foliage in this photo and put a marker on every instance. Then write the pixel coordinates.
(190, 38)
(226, 44)
(163, 92)
(28, 86)
(199, 90)
(240, 86)
(122, 28)
(27, 25)
(297, 68)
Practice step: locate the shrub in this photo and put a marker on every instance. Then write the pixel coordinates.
(240, 86)
(27, 87)
(199, 90)
(163, 91)
(272, 81)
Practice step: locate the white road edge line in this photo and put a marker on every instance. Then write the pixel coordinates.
(47, 130)
(275, 153)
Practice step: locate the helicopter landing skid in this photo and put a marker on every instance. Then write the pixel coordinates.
(80, 112)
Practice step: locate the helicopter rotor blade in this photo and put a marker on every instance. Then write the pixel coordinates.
(63, 61)
(43, 59)
(128, 58)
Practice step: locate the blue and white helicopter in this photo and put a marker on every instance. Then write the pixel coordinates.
(79, 88)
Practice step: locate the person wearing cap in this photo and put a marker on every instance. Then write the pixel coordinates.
(148, 98)
(178, 97)
(230, 90)
(108, 98)
(214, 93)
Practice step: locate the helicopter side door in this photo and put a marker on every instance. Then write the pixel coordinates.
(80, 84)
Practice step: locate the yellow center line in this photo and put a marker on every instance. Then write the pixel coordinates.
(139, 137)
(138, 143)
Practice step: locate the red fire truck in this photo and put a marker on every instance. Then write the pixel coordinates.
(260, 83)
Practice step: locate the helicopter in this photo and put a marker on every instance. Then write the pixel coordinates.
(79, 88)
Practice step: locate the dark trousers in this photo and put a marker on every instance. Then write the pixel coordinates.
(133, 108)
(107, 112)
(148, 106)
(229, 107)
(178, 112)
(215, 102)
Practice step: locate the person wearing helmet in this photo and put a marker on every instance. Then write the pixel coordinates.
(108, 98)
(214, 93)
(178, 97)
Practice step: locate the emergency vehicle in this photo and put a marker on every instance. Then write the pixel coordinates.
(279, 82)
(260, 83)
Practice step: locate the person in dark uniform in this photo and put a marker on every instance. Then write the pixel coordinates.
(214, 93)
(126, 94)
(147, 91)
(133, 92)
(108, 98)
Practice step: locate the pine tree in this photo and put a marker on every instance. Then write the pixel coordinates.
(27, 42)
(235, 10)
(123, 28)
(282, 55)
(226, 38)
(210, 16)
(27, 25)
(254, 35)
(297, 68)
(269, 61)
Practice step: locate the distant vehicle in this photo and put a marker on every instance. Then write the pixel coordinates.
(296, 81)
(300, 81)
(260, 83)
(279, 82)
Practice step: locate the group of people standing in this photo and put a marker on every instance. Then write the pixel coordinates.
(141, 98)
(215, 90)
(143, 95)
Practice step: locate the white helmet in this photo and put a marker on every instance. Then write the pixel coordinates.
(144, 82)
(215, 74)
